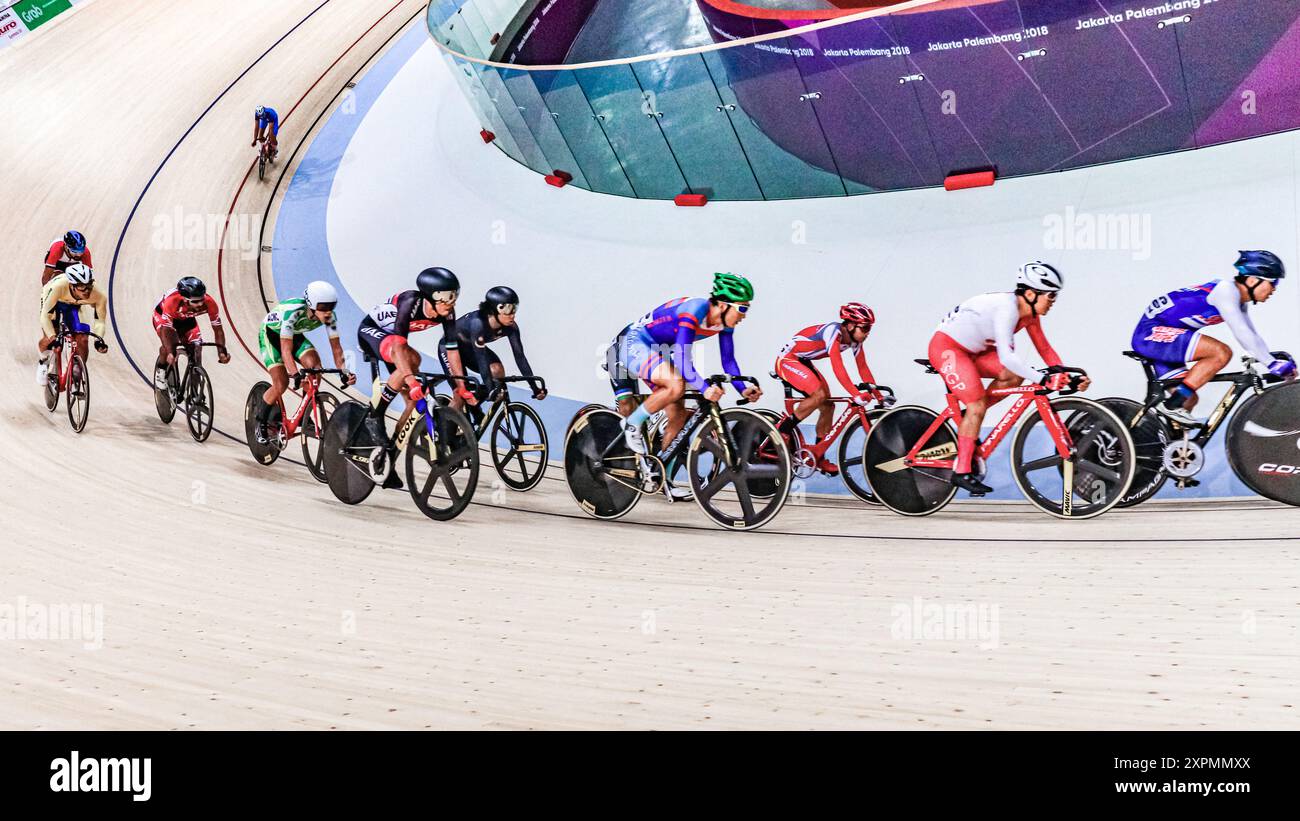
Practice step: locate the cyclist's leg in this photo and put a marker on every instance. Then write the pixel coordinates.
(962, 375)
(1181, 352)
(1209, 356)
(669, 387)
(268, 343)
(193, 337)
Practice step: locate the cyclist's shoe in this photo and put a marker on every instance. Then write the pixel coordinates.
(160, 379)
(675, 493)
(262, 434)
(42, 371)
(1180, 415)
(970, 484)
(635, 441)
(375, 427)
(829, 468)
(393, 481)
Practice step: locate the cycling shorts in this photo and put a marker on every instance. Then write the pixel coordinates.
(268, 343)
(962, 371)
(1169, 348)
(187, 330)
(802, 376)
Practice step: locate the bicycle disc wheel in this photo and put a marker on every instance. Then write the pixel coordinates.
(347, 450)
(902, 489)
(261, 167)
(268, 453)
(52, 377)
(442, 471)
(852, 457)
(1263, 443)
(721, 464)
(599, 468)
(199, 404)
(314, 425)
(519, 447)
(78, 394)
(1089, 484)
(1150, 436)
(162, 400)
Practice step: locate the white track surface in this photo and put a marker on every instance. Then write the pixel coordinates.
(226, 587)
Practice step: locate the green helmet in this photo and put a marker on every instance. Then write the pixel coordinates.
(732, 288)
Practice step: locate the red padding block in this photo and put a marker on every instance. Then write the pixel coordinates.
(487, 136)
(556, 180)
(691, 200)
(976, 179)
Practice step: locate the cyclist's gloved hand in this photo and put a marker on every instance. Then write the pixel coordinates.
(348, 377)
(539, 394)
(1057, 381)
(101, 346)
(862, 399)
(1282, 368)
(223, 355)
(414, 389)
(467, 395)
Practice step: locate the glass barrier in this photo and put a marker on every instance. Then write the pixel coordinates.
(885, 102)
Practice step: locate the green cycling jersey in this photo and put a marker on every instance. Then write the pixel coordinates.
(292, 317)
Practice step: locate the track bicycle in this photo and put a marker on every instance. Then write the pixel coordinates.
(309, 420)
(1071, 457)
(190, 386)
(438, 441)
(720, 449)
(517, 438)
(69, 375)
(1261, 440)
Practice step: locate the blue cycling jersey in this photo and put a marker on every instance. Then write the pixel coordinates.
(1186, 307)
(269, 117)
(678, 323)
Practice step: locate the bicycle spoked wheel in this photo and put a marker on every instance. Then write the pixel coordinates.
(519, 446)
(347, 450)
(1089, 484)
(268, 453)
(52, 377)
(199, 404)
(442, 471)
(162, 399)
(721, 464)
(907, 490)
(314, 424)
(1150, 436)
(852, 458)
(599, 468)
(78, 394)
(1263, 443)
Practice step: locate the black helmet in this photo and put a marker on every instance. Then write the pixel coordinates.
(438, 285)
(191, 287)
(501, 295)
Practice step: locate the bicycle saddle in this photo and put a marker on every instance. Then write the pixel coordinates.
(925, 363)
(1135, 355)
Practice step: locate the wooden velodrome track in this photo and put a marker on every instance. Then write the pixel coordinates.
(240, 597)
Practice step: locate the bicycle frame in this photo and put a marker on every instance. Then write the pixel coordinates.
(292, 425)
(853, 411)
(1026, 395)
(1241, 382)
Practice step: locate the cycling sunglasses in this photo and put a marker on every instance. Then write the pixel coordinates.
(741, 308)
(447, 297)
(507, 308)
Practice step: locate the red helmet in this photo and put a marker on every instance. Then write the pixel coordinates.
(858, 314)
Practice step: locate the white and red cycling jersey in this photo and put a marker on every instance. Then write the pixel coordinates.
(58, 256)
(794, 363)
(173, 310)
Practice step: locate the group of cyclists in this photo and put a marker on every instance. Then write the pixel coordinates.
(973, 343)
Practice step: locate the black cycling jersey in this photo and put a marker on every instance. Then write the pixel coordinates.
(474, 332)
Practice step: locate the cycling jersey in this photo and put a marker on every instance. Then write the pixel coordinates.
(269, 117)
(57, 297)
(474, 333)
(1168, 331)
(819, 342)
(667, 333)
(58, 256)
(990, 322)
(293, 317)
(174, 308)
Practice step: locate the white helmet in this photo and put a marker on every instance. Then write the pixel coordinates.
(321, 296)
(80, 274)
(1040, 276)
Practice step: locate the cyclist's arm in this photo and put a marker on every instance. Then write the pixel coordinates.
(841, 372)
(1004, 329)
(517, 348)
(727, 344)
(52, 262)
(1044, 348)
(1227, 299)
(98, 301)
(50, 297)
(214, 317)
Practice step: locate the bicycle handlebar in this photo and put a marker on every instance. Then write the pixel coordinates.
(428, 380)
(1077, 376)
(537, 383)
(303, 373)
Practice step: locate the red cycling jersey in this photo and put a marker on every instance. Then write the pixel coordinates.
(819, 342)
(59, 254)
(174, 308)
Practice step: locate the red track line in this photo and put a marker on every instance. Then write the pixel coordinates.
(221, 247)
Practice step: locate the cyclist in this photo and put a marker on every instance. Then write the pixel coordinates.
(976, 341)
(384, 331)
(176, 317)
(64, 297)
(71, 250)
(266, 123)
(283, 344)
(795, 366)
(1171, 333)
(657, 349)
(494, 319)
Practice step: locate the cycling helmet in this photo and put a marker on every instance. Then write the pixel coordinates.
(1040, 277)
(74, 242)
(260, 112)
(502, 297)
(1260, 264)
(192, 288)
(438, 285)
(858, 314)
(321, 296)
(730, 287)
(80, 274)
